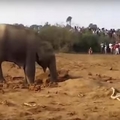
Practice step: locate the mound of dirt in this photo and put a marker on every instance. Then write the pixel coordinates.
(41, 80)
(44, 78)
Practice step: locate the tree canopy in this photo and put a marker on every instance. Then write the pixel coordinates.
(75, 39)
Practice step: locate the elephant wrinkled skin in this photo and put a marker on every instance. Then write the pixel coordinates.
(24, 48)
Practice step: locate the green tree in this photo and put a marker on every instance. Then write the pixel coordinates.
(69, 19)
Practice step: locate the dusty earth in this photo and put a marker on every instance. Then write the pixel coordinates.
(85, 95)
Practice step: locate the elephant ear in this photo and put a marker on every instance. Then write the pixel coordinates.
(45, 49)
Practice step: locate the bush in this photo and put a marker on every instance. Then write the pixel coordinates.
(65, 40)
(86, 41)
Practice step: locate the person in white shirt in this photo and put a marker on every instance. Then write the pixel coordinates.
(102, 47)
(105, 49)
(111, 47)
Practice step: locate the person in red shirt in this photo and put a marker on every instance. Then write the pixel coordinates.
(117, 49)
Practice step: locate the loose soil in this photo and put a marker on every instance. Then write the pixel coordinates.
(83, 91)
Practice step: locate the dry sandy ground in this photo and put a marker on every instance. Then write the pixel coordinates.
(84, 96)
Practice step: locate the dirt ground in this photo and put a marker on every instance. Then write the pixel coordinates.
(85, 95)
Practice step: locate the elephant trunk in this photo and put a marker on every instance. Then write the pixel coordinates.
(53, 69)
(44, 67)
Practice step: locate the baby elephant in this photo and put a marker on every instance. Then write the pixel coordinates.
(24, 47)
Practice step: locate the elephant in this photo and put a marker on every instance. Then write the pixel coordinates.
(23, 47)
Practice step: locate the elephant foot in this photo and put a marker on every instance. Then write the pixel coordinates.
(25, 83)
(34, 87)
(53, 84)
(2, 81)
(24, 86)
(28, 83)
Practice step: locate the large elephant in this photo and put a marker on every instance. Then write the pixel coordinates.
(24, 48)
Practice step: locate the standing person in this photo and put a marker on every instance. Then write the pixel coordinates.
(116, 48)
(102, 47)
(90, 51)
(111, 47)
(119, 46)
(105, 49)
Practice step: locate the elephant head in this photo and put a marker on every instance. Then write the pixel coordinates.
(45, 57)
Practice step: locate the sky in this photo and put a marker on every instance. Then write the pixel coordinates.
(104, 13)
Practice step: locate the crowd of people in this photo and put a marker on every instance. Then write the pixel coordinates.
(110, 48)
(111, 33)
(105, 48)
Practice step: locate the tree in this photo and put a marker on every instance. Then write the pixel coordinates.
(93, 26)
(66, 39)
(69, 18)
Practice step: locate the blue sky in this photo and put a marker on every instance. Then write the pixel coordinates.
(104, 13)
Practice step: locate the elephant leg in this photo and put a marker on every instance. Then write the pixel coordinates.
(1, 74)
(53, 71)
(25, 80)
(30, 70)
